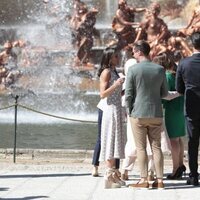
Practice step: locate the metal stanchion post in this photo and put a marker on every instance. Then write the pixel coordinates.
(15, 139)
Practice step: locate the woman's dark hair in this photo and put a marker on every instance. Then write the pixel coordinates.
(166, 60)
(106, 58)
(178, 56)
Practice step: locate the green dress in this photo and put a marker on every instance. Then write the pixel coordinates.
(174, 114)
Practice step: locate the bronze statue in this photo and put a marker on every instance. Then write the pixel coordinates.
(4, 55)
(193, 25)
(80, 9)
(124, 22)
(176, 43)
(7, 76)
(83, 31)
(86, 31)
(155, 28)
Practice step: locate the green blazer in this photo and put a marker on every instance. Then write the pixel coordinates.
(146, 84)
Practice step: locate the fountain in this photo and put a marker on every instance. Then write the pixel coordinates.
(50, 84)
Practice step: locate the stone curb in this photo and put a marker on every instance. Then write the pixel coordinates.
(47, 154)
(67, 154)
(57, 155)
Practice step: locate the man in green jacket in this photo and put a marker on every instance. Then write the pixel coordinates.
(146, 85)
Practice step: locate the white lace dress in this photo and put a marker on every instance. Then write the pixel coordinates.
(112, 129)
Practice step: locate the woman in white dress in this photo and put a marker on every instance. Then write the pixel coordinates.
(112, 133)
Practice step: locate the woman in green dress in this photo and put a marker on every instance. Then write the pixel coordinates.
(174, 117)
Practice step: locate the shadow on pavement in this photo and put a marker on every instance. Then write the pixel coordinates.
(41, 175)
(170, 186)
(4, 189)
(25, 198)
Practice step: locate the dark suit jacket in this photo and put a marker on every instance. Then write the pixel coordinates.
(188, 83)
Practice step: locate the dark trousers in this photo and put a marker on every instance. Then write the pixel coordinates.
(97, 149)
(193, 130)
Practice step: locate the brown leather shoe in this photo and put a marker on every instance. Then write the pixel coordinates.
(158, 185)
(140, 185)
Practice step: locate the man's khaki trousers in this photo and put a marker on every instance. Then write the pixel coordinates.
(143, 129)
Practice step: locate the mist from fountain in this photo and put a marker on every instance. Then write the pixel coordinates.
(49, 86)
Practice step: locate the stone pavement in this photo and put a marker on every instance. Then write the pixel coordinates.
(69, 178)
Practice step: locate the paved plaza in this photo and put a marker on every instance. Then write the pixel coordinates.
(69, 178)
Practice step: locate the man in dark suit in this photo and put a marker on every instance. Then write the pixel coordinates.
(188, 83)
